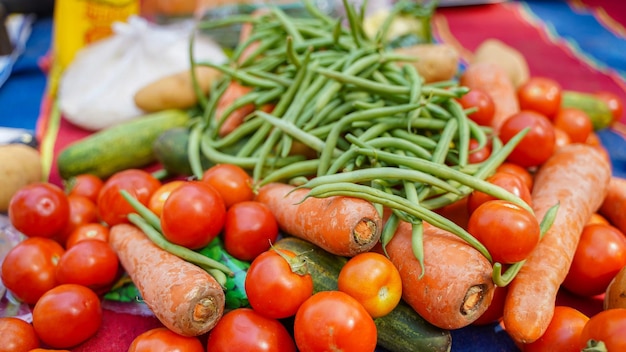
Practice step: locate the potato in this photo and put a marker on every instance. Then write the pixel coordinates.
(615, 296)
(175, 91)
(435, 62)
(499, 53)
(20, 165)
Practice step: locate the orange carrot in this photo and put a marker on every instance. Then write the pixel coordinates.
(456, 288)
(233, 92)
(493, 80)
(341, 225)
(184, 297)
(614, 205)
(577, 178)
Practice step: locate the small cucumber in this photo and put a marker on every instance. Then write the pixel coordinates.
(597, 110)
(170, 149)
(402, 330)
(123, 146)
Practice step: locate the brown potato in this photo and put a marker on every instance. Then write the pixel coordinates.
(19, 165)
(615, 296)
(509, 58)
(435, 62)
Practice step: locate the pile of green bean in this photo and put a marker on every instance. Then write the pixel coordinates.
(377, 131)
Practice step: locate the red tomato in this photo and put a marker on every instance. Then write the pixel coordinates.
(165, 340)
(615, 103)
(505, 180)
(193, 215)
(82, 211)
(575, 122)
(540, 94)
(112, 207)
(509, 232)
(373, 280)
(90, 231)
(91, 263)
(277, 283)
(495, 311)
(563, 333)
(159, 196)
(39, 210)
(231, 181)
(515, 169)
(249, 229)
(478, 155)
(16, 335)
(333, 320)
(67, 315)
(29, 269)
(608, 326)
(600, 254)
(597, 219)
(561, 138)
(537, 145)
(483, 104)
(85, 185)
(243, 329)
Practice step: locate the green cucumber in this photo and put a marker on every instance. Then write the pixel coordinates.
(402, 330)
(170, 149)
(123, 146)
(597, 110)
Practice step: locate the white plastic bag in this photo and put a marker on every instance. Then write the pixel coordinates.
(96, 90)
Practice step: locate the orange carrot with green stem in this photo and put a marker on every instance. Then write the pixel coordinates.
(577, 178)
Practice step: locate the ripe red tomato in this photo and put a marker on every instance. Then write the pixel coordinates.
(575, 123)
(540, 94)
(112, 207)
(90, 231)
(67, 315)
(508, 181)
(483, 103)
(16, 335)
(29, 269)
(563, 333)
(82, 211)
(515, 169)
(537, 145)
(478, 155)
(86, 185)
(277, 283)
(615, 103)
(159, 196)
(231, 181)
(508, 231)
(193, 215)
(249, 229)
(373, 280)
(165, 340)
(91, 263)
(334, 320)
(39, 210)
(608, 326)
(600, 254)
(561, 138)
(243, 329)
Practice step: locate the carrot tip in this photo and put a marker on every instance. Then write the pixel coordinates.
(365, 231)
(473, 299)
(205, 309)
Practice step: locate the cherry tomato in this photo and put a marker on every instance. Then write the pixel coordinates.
(478, 155)
(249, 230)
(597, 219)
(159, 196)
(243, 329)
(483, 103)
(561, 138)
(39, 210)
(112, 207)
(373, 280)
(505, 180)
(277, 283)
(608, 326)
(67, 315)
(509, 232)
(600, 254)
(82, 211)
(515, 169)
(563, 333)
(16, 335)
(575, 122)
(90, 263)
(193, 215)
(495, 311)
(540, 94)
(333, 320)
(615, 103)
(90, 231)
(165, 340)
(537, 145)
(231, 181)
(29, 269)
(86, 185)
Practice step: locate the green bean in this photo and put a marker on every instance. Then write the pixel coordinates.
(445, 141)
(240, 102)
(416, 139)
(246, 127)
(287, 24)
(396, 143)
(389, 229)
(280, 80)
(193, 150)
(218, 157)
(263, 41)
(148, 215)
(240, 75)
(255, 140)
(299, 168)
(365, 84)
(292, 56)
(464, 130)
